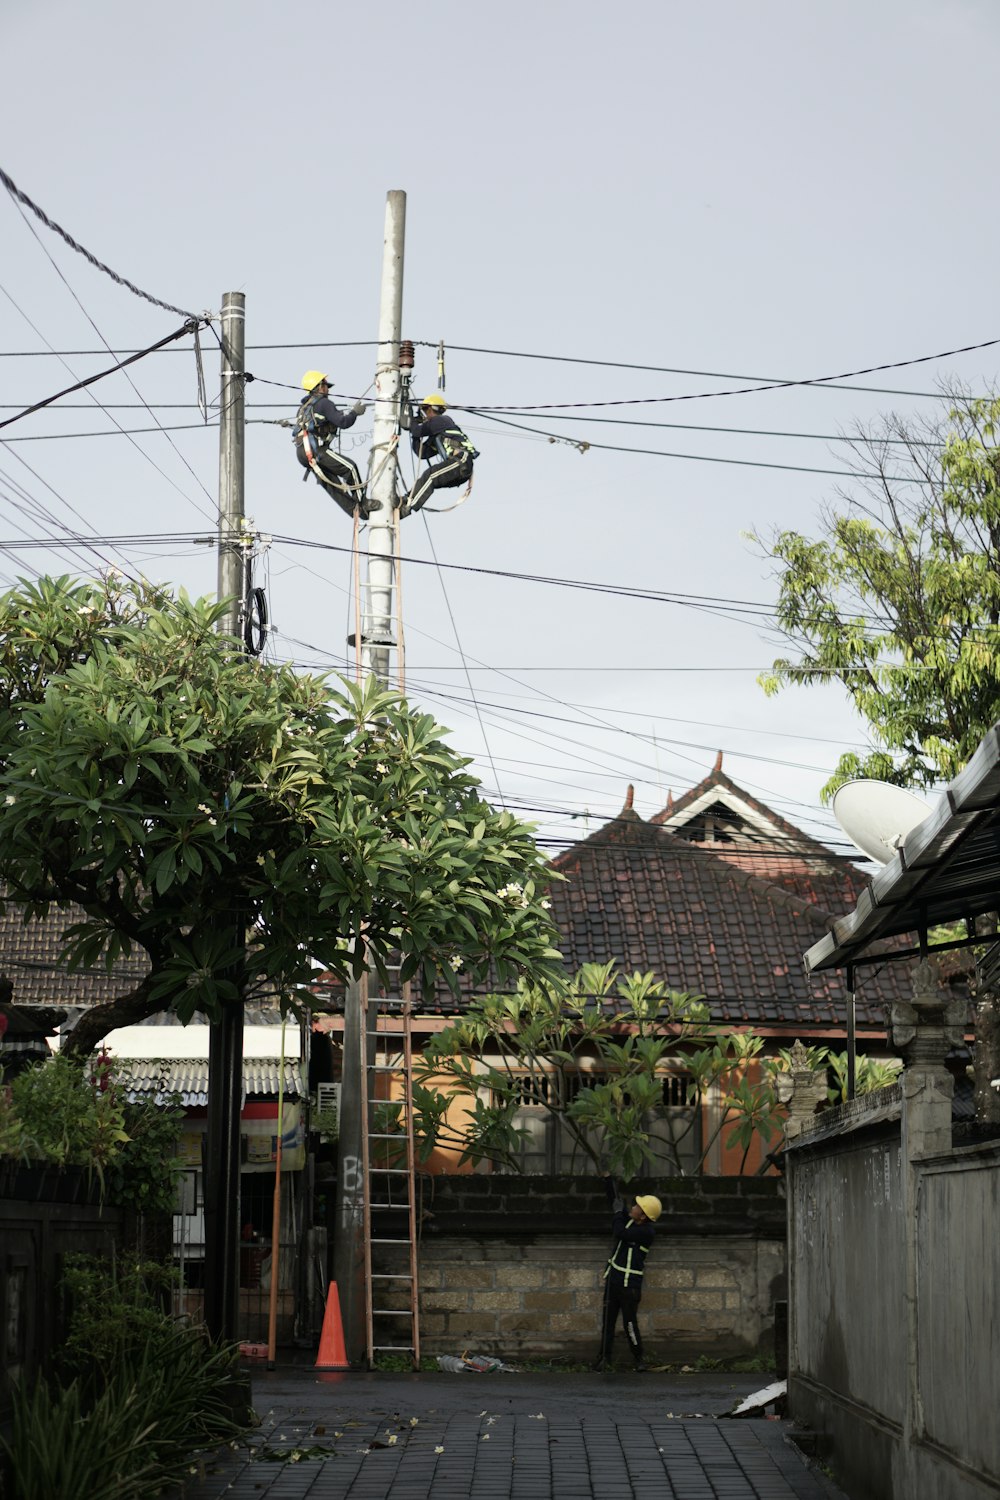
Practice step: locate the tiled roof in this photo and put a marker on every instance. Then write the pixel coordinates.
(638, 894)
(27, 957)
(774, 849)
(189, 1078)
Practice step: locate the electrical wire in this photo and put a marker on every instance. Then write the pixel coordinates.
(458, 644)
(65, 281)
(40, 213)
(583, 446)
(92, 379)
(746, 390)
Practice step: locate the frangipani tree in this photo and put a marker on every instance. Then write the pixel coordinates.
(183, 795)
(595, 1054)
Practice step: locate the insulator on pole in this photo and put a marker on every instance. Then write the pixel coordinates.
(441, 365)
(406, 354)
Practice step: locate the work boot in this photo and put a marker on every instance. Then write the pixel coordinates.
(368, 506)
(601, 1365)
(640, 1367)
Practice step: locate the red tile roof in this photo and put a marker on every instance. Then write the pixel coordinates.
(637, 893)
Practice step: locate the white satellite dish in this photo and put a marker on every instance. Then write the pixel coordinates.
(877, 816)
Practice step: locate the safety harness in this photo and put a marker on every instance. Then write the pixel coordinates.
(454, 444)
(629, 1269)
(313, 431)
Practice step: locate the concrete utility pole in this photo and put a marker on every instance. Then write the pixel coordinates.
(225, 1047)
(377, 617)
(379, 640)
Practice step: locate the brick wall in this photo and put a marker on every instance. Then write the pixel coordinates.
(514, 1265)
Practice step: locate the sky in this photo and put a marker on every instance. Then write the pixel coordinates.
(734, 194)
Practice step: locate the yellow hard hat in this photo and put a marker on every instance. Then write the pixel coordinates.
(435, 399)
(651, 1207)
(312, 378)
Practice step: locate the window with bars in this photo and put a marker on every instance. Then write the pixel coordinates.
(549, 1147)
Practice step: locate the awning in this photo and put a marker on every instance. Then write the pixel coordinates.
(947, 870)
(188, 1077)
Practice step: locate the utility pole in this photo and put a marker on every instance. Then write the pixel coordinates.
(377, 642)
(225, 1047)
(377, 619)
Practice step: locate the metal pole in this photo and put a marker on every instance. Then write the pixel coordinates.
(378, 617)
(225, 1045)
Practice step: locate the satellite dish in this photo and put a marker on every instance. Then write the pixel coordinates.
(877, 816)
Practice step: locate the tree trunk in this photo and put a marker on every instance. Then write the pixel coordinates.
(125, 1010)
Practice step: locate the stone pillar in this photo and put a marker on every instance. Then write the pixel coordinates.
(924, 1029)
(801, 1089)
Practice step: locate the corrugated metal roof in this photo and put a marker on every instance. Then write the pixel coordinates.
(189, 1078)
(947, 869)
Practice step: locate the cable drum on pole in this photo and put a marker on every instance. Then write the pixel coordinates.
(255, 623)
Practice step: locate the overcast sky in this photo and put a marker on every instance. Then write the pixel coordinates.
(775, 190)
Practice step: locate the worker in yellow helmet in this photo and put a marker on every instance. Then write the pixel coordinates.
(437, 437)
(634, 1235)
(316, 423)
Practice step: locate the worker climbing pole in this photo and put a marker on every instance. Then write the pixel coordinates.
(436, 437)
(317, 422)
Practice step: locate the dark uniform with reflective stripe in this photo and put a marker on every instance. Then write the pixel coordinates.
(341, 473)
(623, 1276)
(440, 439)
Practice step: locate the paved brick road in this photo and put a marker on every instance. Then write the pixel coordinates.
(507, 1437)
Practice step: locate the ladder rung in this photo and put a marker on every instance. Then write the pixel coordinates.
(392, 1312)
(391, 1275)
(403, 1348)
(384, 1240)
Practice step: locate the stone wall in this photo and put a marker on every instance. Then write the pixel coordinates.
(894, 1306)
(513, 1265)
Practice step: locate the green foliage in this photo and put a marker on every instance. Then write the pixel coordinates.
(899, 600)
(145, 1173)
(57, 1113)
(163, 782)
(869, 1074)
(115, 1311)
(594, 1054)
(67, 1112)
(143, 1393)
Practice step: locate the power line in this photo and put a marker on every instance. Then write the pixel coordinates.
(767, 382)
(774, 432)
(102, 375)
(746, 390)
(130, 286)
(703, 458)
(65, 281)
(458, 644)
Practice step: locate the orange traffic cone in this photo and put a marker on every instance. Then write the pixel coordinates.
(332, 1353)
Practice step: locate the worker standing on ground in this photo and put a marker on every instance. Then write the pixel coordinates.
(634, 1234)
(438, 438)
(316, 422)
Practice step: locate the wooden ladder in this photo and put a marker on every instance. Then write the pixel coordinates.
(392, 1292)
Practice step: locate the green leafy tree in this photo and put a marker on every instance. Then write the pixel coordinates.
(183, 796)
(594, 1055)
(899, 598)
